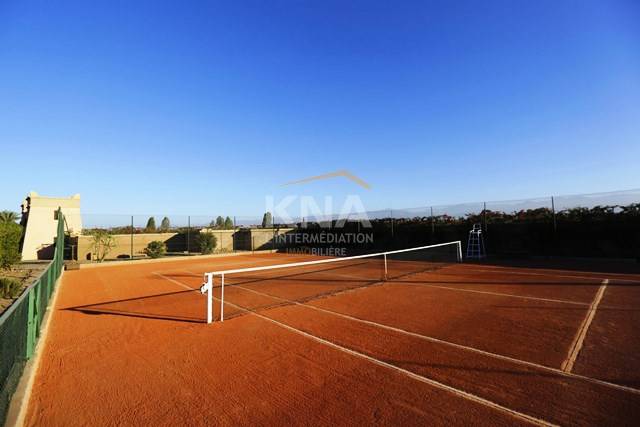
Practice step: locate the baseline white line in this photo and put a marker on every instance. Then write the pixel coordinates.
(431, 382)
(576, 346)
(452, 344)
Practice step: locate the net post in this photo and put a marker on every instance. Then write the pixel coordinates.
(385, 267)
(208, 288)
(222, 297)
(459, 244)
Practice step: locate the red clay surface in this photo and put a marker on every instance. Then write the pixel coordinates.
(465, 344)
(612, 350)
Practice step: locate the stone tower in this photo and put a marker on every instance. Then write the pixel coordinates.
(39, 217)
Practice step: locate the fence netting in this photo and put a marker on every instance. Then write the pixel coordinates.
(593, 225)
(20, 324)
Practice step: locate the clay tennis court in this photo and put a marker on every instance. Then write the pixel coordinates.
(460, 344)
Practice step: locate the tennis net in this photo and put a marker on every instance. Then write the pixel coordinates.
(269, 286)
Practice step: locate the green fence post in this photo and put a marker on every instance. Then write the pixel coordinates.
(31, 323)
(49, 278)
(38, 291)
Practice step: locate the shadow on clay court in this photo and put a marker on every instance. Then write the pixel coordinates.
(160, 307)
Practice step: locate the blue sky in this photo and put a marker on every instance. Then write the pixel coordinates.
(207, 107)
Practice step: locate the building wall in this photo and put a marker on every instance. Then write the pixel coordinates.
(41, 224)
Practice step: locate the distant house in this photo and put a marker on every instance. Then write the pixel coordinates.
(39, 217)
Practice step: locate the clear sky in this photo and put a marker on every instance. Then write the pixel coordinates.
(207, 107)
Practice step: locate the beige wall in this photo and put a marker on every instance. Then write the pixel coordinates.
(175, 243)
(227, 241)
(262, 238)
(224, 237)
(41, 226)
(122, 248)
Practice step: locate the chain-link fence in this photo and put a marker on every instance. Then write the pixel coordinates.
(593, 225)
(587, 225)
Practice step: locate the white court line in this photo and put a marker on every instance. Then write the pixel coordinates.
(576, 346)
(434, 383)
(495, 293)
(431, 382)
(459, 346)
(452, 344)
(528, 273)
(175, 281)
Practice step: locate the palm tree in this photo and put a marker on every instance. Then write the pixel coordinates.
(8, 216)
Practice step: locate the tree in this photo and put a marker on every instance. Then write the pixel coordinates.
(219, 222)
(151, 225)
(207, 242)
(155, 249)
(8, 216)
(267, 220)
(102, 243)
(228, 223)
(10, 235)
(165, 225)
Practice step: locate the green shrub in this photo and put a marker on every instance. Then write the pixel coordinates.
(9, 287)
(207, 242)
(155, 249)
(10, 234)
